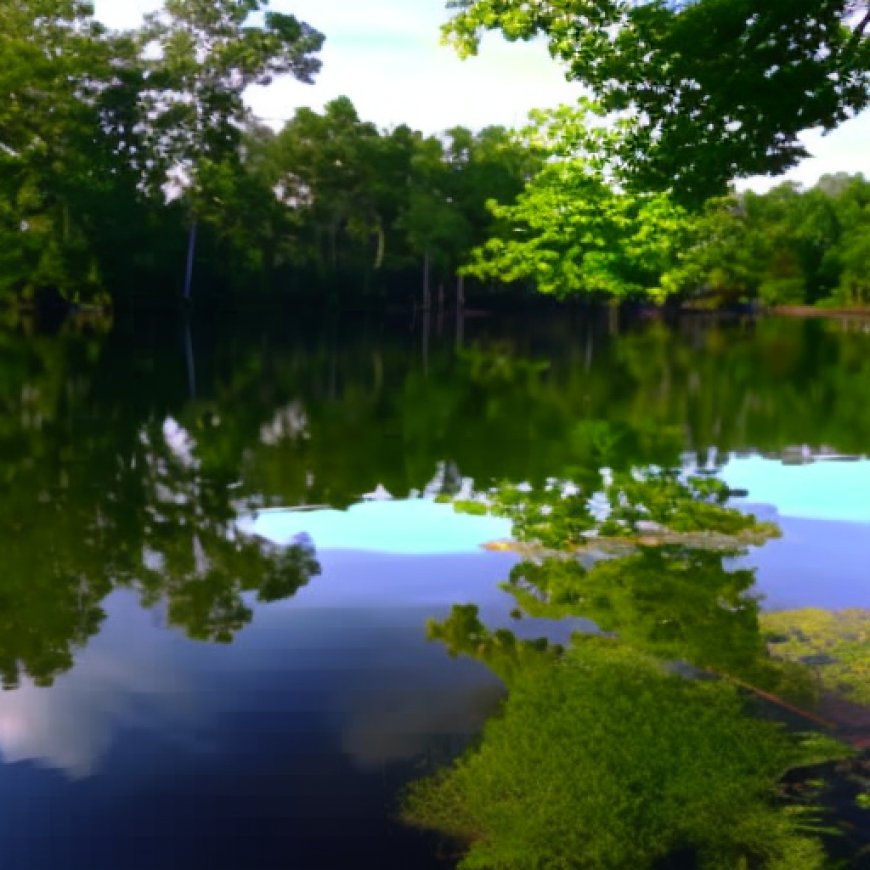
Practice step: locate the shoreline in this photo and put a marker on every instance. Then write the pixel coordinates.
(812, 311)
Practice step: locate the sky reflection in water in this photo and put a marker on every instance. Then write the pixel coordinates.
(407, 526)
(823, 509)
(151, 749)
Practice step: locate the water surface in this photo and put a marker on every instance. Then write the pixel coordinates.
(221, 547)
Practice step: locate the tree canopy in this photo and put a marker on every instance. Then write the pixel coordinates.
(719, 88)
(205, 54)
(573, 230)
(114, 144)
(95, 120)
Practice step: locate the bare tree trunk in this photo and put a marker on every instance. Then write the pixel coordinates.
(333, 245)
(191, 252)
(460, 310)
(613, 317)
(382, 243)
(190, 359)
(590, 346)
(427, 326)
(427, 291)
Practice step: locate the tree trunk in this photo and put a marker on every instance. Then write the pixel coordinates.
(613, 317)
(191, 252)
(189, 359)
(460, 310)
(427, 327)
(427, 292)
(333, 245)
(382, 243)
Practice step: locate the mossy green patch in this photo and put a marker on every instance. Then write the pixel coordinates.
(834, 644)
(605, 759)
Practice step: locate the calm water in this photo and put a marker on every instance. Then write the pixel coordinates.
(220, 549)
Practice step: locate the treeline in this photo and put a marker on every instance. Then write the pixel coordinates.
(582, 226)
(124, 154)
(131, 169)
(569, 233)
(332, 196)
(788, 246)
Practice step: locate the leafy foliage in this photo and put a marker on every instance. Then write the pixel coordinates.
(605, 754)
(65, 131)
(577, 229)
(718, 89)
(112, 144)
(96, 122)
(605, 760)
(787, 246)
(199, 59)
(572, 231)
(645, 507)
(369, 200)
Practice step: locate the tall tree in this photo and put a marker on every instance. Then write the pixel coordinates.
(66, 121)
(204, 54)
(324, 173)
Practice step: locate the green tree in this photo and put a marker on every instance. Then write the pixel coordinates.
(200, 57)
(787, 246)
(67, 126)
(323, 169)
(452, 182)
(572, 230)
(719, 89)
(361, 200)
(435, 228)
(849, 259)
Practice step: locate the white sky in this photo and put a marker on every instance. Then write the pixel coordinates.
(385, 55)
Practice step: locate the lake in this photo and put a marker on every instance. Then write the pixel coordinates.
(223, 539)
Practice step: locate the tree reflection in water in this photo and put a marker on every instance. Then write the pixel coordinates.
(94, 497)
(605, 754)
(114, 476)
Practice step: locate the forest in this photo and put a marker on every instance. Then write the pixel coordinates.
(131, 171)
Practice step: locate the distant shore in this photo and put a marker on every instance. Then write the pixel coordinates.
(812, 311)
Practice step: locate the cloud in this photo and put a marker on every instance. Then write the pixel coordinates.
(124, 14)
(386, 56)
(844, 149)
(71, 725)
(390, 62)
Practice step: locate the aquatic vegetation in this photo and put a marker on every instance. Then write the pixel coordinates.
(611, 752)
(833, 645)
(607, 759)
(649, 567)
(679, 604)
(642, 508)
